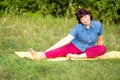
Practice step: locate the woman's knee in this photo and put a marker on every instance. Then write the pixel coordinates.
(103, 49)
(96, 51)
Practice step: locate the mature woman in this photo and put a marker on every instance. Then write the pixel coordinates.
(83, 41)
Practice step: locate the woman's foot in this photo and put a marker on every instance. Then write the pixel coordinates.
(37, 55)
(71, 55)
(77, 56)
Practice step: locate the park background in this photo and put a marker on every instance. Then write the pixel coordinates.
(41, 23)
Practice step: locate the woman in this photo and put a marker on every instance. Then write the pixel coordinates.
(83, 41)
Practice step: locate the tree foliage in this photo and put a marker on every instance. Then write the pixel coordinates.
(104, 10)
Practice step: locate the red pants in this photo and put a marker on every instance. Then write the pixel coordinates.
(70, 48)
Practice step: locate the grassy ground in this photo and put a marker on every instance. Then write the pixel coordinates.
(19, 33)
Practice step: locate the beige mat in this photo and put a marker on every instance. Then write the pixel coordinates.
(109, 55)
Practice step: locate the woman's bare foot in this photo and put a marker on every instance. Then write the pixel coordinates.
(37, 55)
(76, 56)
(32, 51)
(71, 55)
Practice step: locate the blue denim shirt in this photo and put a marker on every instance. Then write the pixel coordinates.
(85, 38)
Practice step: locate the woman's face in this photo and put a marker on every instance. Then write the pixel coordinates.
(85, 20)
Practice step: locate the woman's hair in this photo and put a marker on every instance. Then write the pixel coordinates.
(82, 12)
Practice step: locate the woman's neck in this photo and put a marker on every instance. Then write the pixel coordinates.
(88, 27)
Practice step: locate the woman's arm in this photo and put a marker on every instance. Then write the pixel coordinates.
(62, 42)
(100, 40)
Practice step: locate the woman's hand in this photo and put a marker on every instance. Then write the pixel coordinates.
(100, 40)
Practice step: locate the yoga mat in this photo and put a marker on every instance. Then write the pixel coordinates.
(108, 55)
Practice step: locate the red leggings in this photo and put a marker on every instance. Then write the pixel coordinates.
(70, 48)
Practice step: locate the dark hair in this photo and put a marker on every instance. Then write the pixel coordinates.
(82, 12)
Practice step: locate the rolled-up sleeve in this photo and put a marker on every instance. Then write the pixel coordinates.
(73, 32)
(100, 30)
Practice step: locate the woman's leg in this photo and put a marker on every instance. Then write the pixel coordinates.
(90, 52)
(62, 51)
(95, 51)
(59, 52)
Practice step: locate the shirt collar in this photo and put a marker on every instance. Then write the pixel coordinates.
(91, 24)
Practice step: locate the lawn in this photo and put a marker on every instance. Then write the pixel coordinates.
(19, 33)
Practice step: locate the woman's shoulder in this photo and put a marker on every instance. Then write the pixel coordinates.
(96, 23)
(77, 27)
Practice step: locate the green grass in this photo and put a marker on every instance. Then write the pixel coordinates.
(19, 33)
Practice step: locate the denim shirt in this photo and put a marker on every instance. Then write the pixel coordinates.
(85, 38)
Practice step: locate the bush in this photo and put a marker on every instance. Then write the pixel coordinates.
(103, 10)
